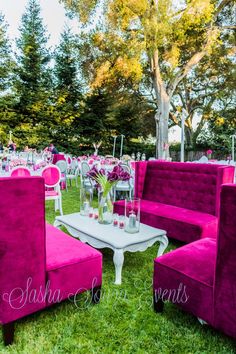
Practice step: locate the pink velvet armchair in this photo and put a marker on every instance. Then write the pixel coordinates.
(40, 265)
(201, 277)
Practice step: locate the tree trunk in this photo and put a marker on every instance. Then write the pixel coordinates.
(189, 136)
(163, 117)
(163, 104)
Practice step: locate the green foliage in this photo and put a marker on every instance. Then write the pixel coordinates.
(150, 46)
(67, 89)
(6, 63)
(102, 82)
(32, 76)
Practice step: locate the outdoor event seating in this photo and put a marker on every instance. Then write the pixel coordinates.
(57, 157)
(204, 272)
(52, 178)
(20, 171)
(85, 181)
(62, 165)
(40, 266)
(124, 186)
(181, 198)
(73, 176)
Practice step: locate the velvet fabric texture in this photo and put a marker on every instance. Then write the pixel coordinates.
(181, 198)
(204, 272)
(57, 157)
(22, 246)
(225, 273)
(38, 268)
(72, 266)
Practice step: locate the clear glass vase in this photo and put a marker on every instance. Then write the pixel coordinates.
(85, 201)
(105, 208)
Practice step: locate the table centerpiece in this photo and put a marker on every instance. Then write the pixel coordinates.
(104, 183)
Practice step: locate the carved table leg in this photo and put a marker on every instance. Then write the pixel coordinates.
(57, 224)
(163, 244)
(118, 260)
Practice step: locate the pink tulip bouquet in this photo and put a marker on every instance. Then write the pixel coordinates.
(105, 182)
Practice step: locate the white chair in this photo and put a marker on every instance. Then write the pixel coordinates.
(73, 175)
(52, 177)
(85, 181)
(124, 186)
(203, 159)
(62, 165)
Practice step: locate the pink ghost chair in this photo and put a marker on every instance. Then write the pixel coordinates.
(20, 172)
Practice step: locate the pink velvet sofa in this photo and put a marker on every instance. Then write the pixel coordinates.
(201, 277)
(40, 265)
(181, 198)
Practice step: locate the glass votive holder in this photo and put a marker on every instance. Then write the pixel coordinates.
(121, 222)
(115, 219)
(95, 214)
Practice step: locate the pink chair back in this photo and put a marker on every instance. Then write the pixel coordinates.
(51, 175)
(22, 246)
(20, 172)
(225, 274)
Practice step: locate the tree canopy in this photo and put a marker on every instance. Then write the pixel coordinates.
(153, 45)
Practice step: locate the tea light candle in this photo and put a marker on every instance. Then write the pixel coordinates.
(115, 219)
(95, 214)
(121, 224)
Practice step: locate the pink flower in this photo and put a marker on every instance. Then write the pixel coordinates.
(209, 152)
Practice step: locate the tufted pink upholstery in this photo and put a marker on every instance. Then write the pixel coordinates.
(181, 198)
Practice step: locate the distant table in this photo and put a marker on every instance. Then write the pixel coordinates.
(107, 236)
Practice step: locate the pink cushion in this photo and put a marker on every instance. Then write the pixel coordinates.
(190, 269)
(196, 260)
(182, 224)
(51, 193)
(71, 265)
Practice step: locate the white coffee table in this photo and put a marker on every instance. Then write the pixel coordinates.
(107, 236)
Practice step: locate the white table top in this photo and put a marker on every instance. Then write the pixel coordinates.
(114, 236)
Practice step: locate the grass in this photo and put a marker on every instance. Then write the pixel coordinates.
(123, 322)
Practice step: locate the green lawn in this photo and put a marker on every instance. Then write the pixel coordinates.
(123, 322)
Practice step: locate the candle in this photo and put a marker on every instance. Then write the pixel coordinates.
(132, 221)
(121, 224)
(115, 219)
(121, 221)
(86, 208)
